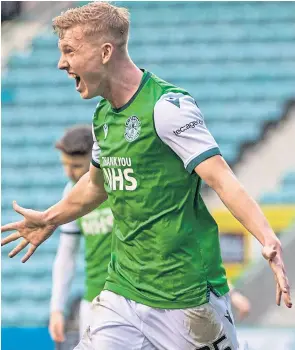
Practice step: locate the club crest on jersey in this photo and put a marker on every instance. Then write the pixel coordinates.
(105, 130)
(132, 128)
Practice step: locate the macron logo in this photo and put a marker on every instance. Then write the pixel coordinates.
(188, 126)
(227, 315)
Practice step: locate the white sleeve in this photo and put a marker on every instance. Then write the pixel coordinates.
(180, 124)
(64, 267)
(95, 151)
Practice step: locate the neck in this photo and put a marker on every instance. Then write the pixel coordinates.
(122, 83)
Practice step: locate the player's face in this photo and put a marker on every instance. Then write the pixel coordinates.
(75, 166)
(81, 57)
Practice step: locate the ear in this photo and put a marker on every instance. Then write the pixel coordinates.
(106, 52)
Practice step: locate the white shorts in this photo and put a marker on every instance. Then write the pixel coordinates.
(84, 316)
(122, 324)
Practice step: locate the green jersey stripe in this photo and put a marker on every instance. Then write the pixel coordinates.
(201, 157)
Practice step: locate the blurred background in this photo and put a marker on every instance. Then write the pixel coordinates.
(237, 59)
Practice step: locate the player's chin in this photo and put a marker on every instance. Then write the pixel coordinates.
(82, 89)
(86, 94)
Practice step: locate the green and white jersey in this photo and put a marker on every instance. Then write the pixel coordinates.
(96, 228)
(165, 248)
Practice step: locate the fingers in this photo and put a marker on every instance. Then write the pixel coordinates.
(282, 279)
(282, 283)
(277, 266)
(56, 331)
(56, 334)
(29, 253)
(274, 255)
(287, 299)
(278, 295)
(12, 237)
(60, 333)
(18, 248)
(18, 208)
(14, 225)
(286, 295)
(52, 332)
(9, 227)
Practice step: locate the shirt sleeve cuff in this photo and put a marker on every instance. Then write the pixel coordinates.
(95, 163)
(201, 157)
(70, 232)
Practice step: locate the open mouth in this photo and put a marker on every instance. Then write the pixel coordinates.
(77, 79)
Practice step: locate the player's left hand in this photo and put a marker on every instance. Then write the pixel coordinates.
(272, 252)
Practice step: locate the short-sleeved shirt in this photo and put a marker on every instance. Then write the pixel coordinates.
(165, 248)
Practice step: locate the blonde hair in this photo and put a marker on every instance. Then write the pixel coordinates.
(96, 18)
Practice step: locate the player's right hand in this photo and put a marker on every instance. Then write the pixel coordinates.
(33, 228)
(57, 326)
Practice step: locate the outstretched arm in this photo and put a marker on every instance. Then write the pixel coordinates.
(217, 174)
(85, 196)
(188, 136)
(37, 226)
